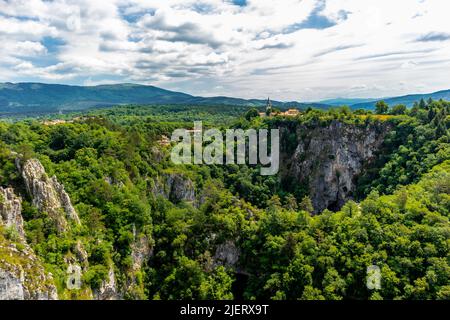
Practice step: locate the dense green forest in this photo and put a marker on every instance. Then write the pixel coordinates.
(110, 161)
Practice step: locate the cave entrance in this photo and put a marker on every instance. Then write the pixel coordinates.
(239, 285)
(334, 206)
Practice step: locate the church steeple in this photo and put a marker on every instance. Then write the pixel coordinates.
(268, 105)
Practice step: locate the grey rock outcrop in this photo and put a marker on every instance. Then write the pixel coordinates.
(22, 276)
(81, 255)
(108, 288)
(47, 194)
(174, 186)
(227, 254)
(11, 286)
(141, 251)
(328, 159)
(11, 211)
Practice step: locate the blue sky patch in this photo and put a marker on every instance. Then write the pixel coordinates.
(315, 20)
(52, 44)
(241, 3)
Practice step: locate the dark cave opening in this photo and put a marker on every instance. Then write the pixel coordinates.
(334, 206)
(239, 285)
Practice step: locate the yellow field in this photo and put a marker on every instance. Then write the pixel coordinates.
(382, 117)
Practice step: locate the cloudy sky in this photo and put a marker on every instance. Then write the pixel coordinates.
(289, 49)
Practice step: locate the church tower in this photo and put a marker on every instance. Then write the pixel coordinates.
(268, 106)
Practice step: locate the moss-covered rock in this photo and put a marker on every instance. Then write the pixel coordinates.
(22, 275)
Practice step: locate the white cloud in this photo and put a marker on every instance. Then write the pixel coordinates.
(279, 48)
(27, 48)
(408, 64)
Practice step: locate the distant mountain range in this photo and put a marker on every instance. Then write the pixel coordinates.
(40, 98)
(407, 100)
(346, 101)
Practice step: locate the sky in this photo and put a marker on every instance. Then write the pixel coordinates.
(303, 50)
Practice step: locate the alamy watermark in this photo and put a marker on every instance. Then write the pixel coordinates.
(373, 281)
(207, 147)
(73, 281)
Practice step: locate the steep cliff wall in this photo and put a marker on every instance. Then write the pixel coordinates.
(141, 251)
(175, 187)
(11, 211)
(327, 159)
(108, 288)
(47, 193)
(22, 275)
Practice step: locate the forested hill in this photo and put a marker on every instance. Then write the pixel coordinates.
(27, 99)
(40, 98)
(407, 100)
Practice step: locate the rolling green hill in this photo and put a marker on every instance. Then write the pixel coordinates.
(40, 98)
(346, 101)
(407, 100)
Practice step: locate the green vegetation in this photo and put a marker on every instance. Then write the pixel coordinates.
(31, 99)
(13, 253)
(109, 162)
(292, 255)
(381, 107)
(416, 144)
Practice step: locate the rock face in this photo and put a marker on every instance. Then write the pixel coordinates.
(11, 211)
(175, 186)
(108, 288)
(227, 254)
(11, 286)
(47, 193)
(22, 275)
(328, 159)
(81, 255)
(141, 251)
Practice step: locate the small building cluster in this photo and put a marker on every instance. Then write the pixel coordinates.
(292, 112)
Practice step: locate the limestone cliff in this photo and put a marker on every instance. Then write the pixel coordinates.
(22, 275)
(108, 288)
(141, 251)
(328, 159)
(47, 193)
(226, 254)
(11, 211)
(174, 186)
